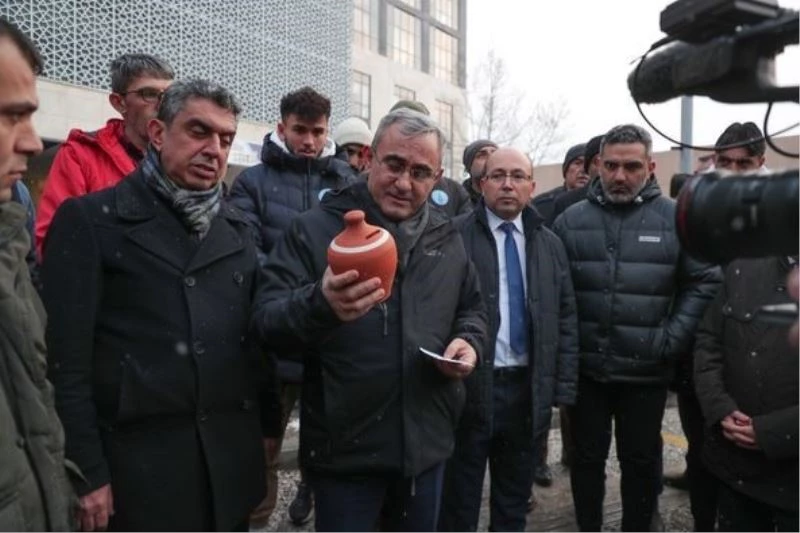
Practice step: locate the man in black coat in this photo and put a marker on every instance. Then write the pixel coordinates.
(575, 177)
(148, 288)
(474, 159)
(639, 300)
(746, 377)
(298, 168)
(591, 168)
(377, 415)
(531, 356)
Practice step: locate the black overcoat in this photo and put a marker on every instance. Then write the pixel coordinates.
(156, 384)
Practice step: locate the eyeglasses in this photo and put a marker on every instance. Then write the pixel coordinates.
(518, 177)
(398, 166)
(148, 94)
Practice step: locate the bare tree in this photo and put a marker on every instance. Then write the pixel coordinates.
(501, 112)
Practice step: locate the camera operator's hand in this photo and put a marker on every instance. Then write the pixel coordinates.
(793, 287)
(348, 297)
(737, 427)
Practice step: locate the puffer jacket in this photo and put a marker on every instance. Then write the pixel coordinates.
(552, 315)
(372, 402)
(272, 193)
(86, 162)
(639, 295)
(34, 491)
(743, 363)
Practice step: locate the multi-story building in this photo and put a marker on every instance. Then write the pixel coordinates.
(412, 50)
(259, 49)
(363, 54)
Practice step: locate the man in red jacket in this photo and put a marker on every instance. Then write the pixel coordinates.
(92, 161)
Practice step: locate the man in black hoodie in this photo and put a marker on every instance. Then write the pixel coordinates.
(298, 167)
(640, 298)
(378, 416)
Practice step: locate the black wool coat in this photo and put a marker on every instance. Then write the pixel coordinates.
(156, 383)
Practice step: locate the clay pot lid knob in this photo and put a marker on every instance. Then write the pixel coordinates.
(353, 218)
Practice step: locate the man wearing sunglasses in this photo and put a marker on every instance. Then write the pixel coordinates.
(640, 298)
(95, 160)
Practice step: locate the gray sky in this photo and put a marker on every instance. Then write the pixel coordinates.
(581, 51)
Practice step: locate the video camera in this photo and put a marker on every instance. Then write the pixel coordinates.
(725, 49)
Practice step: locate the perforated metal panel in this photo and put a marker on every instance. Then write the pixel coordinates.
(259, 49)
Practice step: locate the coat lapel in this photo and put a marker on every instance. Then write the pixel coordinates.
(158, 231)
(221, 241)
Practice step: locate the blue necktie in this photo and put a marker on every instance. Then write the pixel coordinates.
(517, 315)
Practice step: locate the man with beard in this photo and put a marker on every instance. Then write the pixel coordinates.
(640, 298)
(575, 177)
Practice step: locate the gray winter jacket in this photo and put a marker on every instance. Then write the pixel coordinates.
(34, 491)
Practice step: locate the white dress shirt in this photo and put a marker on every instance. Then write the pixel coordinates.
(504, 356)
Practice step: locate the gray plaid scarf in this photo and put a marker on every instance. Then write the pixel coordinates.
(196, 209)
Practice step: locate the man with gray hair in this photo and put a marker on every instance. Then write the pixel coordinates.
(378, 416)
(95, 160)
(148, 288)
(639, 298)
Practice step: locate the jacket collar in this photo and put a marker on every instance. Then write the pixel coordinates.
(158, 230)
(531, 219)
(275, 154)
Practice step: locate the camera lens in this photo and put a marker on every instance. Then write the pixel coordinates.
(719, 219)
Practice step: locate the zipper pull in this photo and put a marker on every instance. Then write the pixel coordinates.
(413, 486)
(385, 312)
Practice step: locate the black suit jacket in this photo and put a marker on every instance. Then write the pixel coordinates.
(156, 382)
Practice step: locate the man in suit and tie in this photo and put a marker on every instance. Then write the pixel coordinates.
(531, 357)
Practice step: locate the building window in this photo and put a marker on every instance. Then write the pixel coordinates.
(444, 117)
(404, 93)
(446, 12)
(443, 56)
(413, 3)
(360, 96)
(404, 37)
(365, 21)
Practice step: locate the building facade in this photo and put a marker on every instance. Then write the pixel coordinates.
(412, 50)
(259, 49)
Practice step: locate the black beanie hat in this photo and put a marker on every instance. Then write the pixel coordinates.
(472, 150)
(592, 149)
(572, 154)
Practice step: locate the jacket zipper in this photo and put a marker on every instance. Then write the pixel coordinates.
(385, 311)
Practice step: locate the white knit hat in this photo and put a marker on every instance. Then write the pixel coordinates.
(352, 130)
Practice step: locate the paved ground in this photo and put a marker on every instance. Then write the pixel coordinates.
(554, 511)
